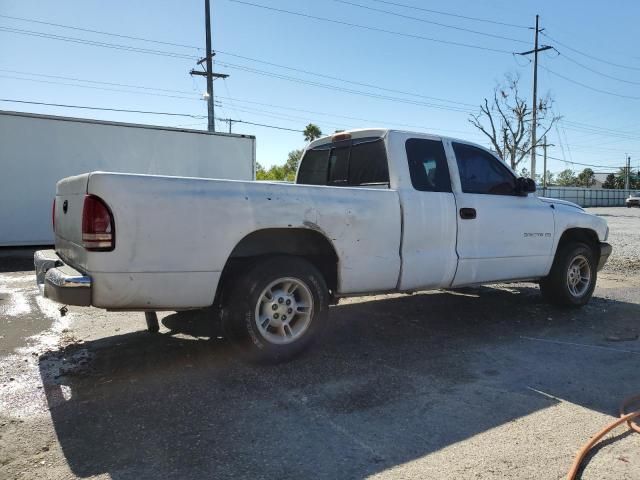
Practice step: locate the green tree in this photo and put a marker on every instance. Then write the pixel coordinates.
(610, 181)
(566, 178)
(634, 179)
(293, 159)
(586, 178)
(311, 132)
(275, 173)
(549, 178)
(287, 172)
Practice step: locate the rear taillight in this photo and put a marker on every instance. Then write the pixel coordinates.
(53, 215)
(98, 233)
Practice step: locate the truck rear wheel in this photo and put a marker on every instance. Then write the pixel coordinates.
(276, 308)
(573, 276)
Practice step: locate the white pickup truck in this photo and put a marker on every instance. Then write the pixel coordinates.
(371, 211)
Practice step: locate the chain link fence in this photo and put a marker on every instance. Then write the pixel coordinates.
(588, 197)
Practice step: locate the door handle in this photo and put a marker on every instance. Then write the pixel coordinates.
(467, 213)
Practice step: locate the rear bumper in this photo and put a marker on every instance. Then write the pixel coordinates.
(605, 251)
(60, 282)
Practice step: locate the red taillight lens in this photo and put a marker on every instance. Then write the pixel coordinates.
(53, 215)
(97, 225)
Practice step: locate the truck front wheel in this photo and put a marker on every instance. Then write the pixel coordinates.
(573, 276)
(276, 308)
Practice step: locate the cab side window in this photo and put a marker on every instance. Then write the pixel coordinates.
(480, 172)
(428, 165)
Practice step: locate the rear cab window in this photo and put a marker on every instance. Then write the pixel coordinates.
(355, 162)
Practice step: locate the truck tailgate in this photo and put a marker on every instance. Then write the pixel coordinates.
(70, 193)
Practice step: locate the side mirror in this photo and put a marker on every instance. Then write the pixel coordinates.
(524, 186)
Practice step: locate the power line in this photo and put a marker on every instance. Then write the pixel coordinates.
(592, 57)
(581, 164)
(576, 126)
(143, 87)
(177, 55)
(174, 54)
(595, 127)
(217, 51)
(449, 14)
(422, 127)
(130, 37)
(594, 131)
(374, 29)
(144, 112)
(344, 90)
(53, 82)
(598, 72)
(337, 125)
(265, 125)
(362, 84)
(444, 25)
(594, 89)
(101, 108)
(95, 43)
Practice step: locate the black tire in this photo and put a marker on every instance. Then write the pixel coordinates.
(240, 307)
(556, 286)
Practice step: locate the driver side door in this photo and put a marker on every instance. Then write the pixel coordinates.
(502, 235)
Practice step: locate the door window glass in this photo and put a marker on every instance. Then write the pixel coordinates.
(480, 172)
(428, 165)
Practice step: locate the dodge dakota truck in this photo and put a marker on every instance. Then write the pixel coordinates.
(371, 211)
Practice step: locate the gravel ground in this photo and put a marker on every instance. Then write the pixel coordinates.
(484, 383)
(624, 235)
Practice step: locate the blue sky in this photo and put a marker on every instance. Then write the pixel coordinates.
(597, 128)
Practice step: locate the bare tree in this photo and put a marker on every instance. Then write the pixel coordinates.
(506, 120)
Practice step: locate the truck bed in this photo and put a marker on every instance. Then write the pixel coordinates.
(186, 229)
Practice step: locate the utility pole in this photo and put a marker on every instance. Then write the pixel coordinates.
(534, 111)
(210, 109)
(627, 171)
(544, 171)
(211, 124)
(230, 121)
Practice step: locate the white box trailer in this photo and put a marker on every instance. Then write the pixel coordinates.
(38, 150)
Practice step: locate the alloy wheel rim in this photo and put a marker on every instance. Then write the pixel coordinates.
(284, 310)
(578, 276)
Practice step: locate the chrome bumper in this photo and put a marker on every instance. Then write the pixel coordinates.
(60, 282)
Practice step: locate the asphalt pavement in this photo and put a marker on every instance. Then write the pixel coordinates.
(482, 383)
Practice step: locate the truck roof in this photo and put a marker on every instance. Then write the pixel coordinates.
(381, 132)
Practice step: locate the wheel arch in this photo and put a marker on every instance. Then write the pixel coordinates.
(309, 244)
(579, 234)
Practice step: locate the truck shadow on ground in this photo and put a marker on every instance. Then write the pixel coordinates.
(392, 381)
